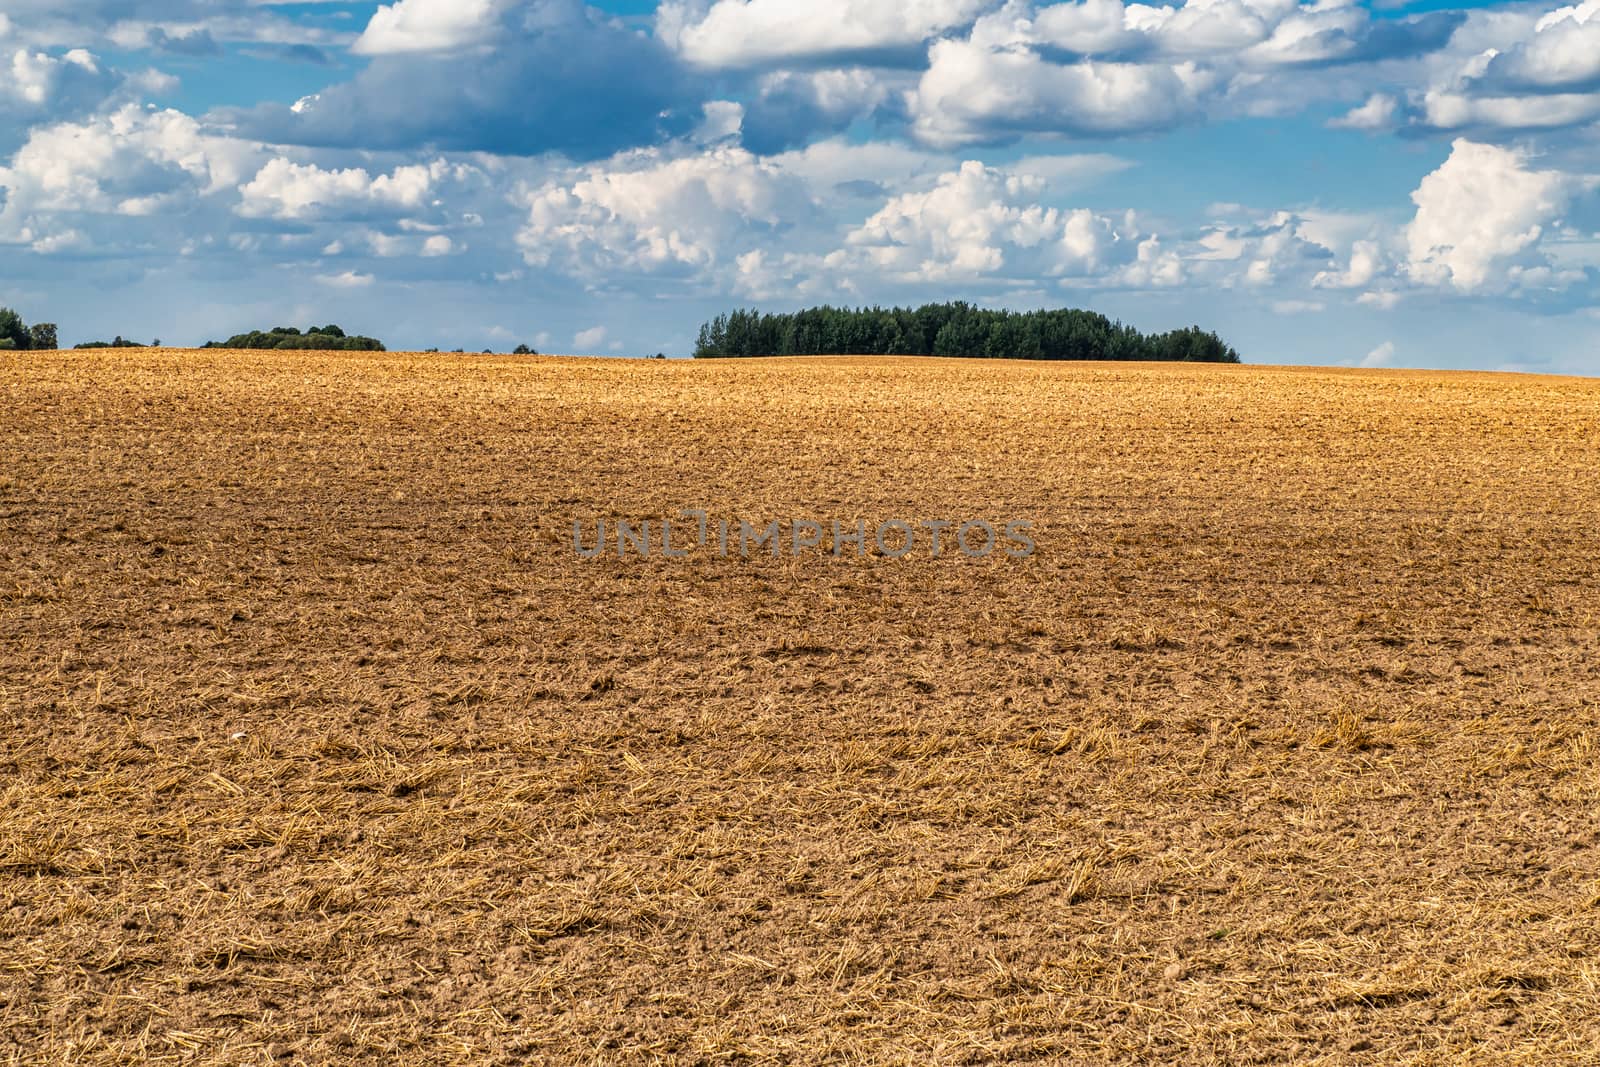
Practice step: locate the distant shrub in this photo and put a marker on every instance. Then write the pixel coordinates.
(42, 337)
(523, 350)
(118, 342)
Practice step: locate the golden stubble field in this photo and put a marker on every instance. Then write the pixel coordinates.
(320, 743)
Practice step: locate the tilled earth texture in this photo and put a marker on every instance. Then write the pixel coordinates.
(323, 743)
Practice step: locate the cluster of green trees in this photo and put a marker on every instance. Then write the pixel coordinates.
(319, 338)
(954, 329)
(119, 342)
(16, 334)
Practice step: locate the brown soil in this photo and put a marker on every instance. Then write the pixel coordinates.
(320, 743)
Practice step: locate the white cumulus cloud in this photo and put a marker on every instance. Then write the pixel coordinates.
(1482, 207)
(1564, 51)
(1366, 259)
(438, 245)
(287, 190)
(130, 162)
(1525, 71)
(37, 86)
(649, 213)
(347, 280)
(411, 26)
(973, 92)
(1381, 356)
(1378, 113)
(982, 220)
(738, 33)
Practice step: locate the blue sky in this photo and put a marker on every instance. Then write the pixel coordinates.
(1385, 184)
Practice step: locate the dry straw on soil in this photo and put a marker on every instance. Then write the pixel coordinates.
(321, 745)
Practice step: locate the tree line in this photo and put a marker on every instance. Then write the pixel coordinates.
(952, 329)
(15, 335)
(18, 335)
